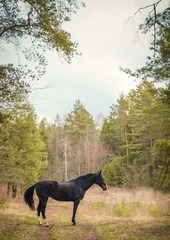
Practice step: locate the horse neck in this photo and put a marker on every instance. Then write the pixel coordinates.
(87, 181)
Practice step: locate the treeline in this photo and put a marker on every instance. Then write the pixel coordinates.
(30, 151)
(132, 147)
(23, 156)
(73, 145)
(137, 133)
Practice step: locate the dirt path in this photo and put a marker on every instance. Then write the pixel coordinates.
(44, 233)
(90, 234)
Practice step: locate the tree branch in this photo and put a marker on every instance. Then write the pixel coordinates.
(18, 25)
(151, 5)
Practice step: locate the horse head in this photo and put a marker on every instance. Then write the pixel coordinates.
(100, 181)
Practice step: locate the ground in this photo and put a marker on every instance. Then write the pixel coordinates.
(112, 215)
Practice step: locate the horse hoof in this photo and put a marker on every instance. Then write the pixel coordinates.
(46, 224)
(74, 223)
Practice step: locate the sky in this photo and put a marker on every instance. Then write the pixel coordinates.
(108, 39)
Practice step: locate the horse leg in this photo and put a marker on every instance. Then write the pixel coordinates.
(76, 203)
(43, 206)
(38, 211)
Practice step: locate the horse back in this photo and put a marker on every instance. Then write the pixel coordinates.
(66, 191)
(61, 191)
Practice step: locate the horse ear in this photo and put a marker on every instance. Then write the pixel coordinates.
(99, 172)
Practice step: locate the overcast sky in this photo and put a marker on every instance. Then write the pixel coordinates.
(107, 42)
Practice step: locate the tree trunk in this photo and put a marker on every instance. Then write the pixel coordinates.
(87, 152)
(65, 159)
(133, 132)
(127, 150)
(164, 177)
(14, 190)
(153, 135)
(78, 156)
(151, 143)
(8, 188)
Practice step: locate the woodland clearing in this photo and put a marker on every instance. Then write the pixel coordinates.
(115, 214)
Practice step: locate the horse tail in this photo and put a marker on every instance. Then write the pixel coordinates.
(28, 197)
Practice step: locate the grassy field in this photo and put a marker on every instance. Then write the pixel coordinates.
(114, 214)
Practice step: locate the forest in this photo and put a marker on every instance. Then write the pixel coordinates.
(132, 147)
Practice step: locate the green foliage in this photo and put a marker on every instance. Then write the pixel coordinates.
(54, 134)
(23, 159)
(122, 209)
(114, 130)
(73, 145)
(137, 134)
(12, 87)
(39, 21)
(18, 227)
(80, 128)
(154, 210)
(4, 204)
(126, 209)
(112, 172)
(162, 172)
(78, 121)
(34, 27)
(97, 205)
(23, 156)
(157, 66)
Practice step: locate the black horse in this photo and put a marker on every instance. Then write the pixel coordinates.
(73, 190)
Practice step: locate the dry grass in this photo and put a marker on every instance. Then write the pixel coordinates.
(140, 204)
(113, 214)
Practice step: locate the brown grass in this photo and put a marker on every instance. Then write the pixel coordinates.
(125, 214)
(146, 198)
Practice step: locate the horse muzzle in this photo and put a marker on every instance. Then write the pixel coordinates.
(104, 187)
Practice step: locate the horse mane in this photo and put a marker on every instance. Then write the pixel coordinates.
(87, 176)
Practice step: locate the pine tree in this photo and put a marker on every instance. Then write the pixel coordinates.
(23, 158)
(78, 126)
(136, 123)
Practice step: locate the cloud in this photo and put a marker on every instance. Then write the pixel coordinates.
(107, 41)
